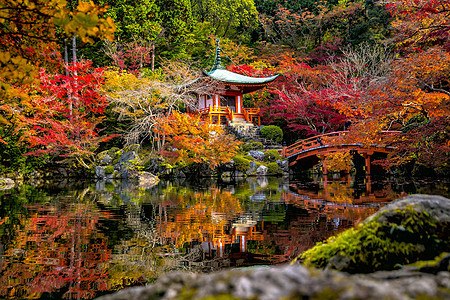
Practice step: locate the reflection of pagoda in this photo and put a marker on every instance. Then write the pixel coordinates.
(221, 100)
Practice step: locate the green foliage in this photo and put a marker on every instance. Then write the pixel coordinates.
(272, 132)
(109, 170)
(414, 122)
(250, 146)
(375, 245)
(242, 164)
(233, 18)
(271, 155)
(12, 157)
(135, 19)
(274, 169)
(249, 157)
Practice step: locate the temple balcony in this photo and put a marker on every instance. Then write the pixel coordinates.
(224, 115)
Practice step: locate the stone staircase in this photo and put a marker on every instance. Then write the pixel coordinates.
(243, 130)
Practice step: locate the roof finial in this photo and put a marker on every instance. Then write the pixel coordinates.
(218, 60)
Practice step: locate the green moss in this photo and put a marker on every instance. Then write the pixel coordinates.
(432, 264)
(325, 294)
(406, 237)
(132, 147)
(250, 146)
(109, 169)
(241, 164)
(113, 152)
(221, 297)
(273, 133)
(274, 169)
(249, 157)
(271, 155)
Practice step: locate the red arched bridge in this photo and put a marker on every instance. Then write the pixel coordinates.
(322, 145)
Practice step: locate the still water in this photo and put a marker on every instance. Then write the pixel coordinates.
(82, 240)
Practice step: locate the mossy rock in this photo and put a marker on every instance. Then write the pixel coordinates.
(133, 147)
(101, 155)
(251, 146)
(114, 152)
(408, 230)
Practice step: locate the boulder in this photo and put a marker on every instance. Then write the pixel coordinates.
(261, 171)
(252, 168)
(283, 164)
(106, 160)
(411, 229)
(291, 282)
(100, 172)
(257, 155)
(129, 158)
(147, 180)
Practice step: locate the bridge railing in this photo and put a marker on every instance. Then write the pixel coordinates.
(318, 141)
(310, 143)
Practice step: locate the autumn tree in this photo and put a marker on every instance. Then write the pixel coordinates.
(143, 101)
(66, 113)
(190, 140)
(421, 23)
(300, 102)
(226, 18)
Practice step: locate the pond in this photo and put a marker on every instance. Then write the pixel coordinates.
(82, 240)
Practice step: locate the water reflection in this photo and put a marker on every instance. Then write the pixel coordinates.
(92, 239)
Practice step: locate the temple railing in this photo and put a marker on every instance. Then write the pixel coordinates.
(251, 112)
(227, 112)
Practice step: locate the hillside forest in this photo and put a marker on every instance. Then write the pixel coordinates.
(79, 77)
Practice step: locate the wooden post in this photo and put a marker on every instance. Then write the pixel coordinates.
(368, 185)
(367, 163)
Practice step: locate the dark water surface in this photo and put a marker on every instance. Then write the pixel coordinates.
(81, 240)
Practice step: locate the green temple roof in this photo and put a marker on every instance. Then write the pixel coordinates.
(219, 73)
(231, 77)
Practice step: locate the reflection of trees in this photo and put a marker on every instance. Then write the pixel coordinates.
(57, 247)
(198, 216)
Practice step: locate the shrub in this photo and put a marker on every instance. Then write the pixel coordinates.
(241, 164)
(249, 157)
(272, 132)
(109, 169)
(271, 155)
(274, 169)
(251, 145)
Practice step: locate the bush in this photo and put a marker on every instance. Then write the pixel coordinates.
(249, 157)
(251, 145)
(273, 133)
(241, 164)
(109, 170)
(274, 169)
(271, 155)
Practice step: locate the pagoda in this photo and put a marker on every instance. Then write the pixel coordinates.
(221, 99)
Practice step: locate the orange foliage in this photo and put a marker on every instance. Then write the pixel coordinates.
(207, 217)
(338, 161)
(191, 140)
